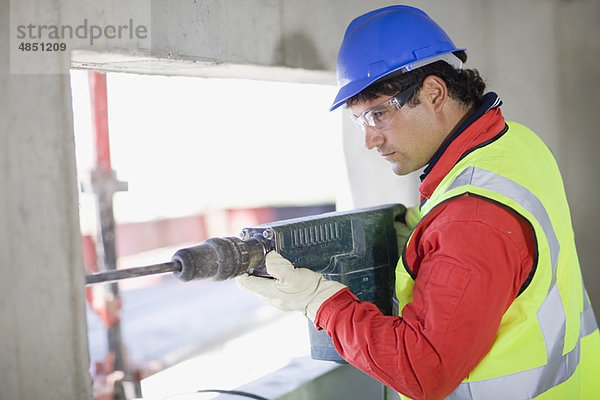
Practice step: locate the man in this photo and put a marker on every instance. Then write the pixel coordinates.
(492, 303)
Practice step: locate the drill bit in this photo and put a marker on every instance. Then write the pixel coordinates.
(118, 274)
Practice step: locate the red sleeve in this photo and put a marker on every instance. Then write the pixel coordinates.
(476, 255)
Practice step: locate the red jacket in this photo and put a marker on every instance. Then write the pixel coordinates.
(472, 257)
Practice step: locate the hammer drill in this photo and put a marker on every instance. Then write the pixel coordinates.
(357, 248)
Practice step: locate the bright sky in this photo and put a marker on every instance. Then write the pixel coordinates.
(188, 144)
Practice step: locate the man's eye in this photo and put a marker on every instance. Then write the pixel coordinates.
(379, 115)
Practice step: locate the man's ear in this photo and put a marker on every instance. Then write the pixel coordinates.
(434, 92)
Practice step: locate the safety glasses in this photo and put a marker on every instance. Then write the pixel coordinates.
(380, 116)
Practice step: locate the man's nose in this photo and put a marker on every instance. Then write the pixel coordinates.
(373, 137)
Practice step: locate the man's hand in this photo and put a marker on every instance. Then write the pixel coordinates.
(403, 229)
(411, 216)
(293, 289)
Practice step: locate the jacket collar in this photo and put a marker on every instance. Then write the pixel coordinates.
(482, 125)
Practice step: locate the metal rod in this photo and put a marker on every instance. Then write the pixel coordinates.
(115, 275)
(105, 184)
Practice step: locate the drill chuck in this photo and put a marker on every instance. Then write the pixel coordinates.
(220, 258)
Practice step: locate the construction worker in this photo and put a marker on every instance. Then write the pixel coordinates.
(491, 298)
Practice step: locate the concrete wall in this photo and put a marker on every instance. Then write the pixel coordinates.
(578, 77)
(540, 55)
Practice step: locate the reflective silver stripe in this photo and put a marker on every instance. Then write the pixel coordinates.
(533, 382)
(521, 385)
(488, 180)
(551, 314)
(588, 319)
(551, 317)
(553, 323)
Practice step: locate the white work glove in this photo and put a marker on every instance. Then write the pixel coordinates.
(293, 289)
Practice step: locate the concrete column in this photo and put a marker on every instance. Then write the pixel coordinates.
(43, 351)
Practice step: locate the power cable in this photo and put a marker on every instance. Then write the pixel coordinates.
(233, 392)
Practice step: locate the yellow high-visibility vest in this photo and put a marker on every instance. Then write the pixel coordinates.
(548, 344)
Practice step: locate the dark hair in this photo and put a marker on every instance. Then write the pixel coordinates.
(464, 85)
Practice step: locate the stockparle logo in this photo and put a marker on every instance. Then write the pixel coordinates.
(42, 42)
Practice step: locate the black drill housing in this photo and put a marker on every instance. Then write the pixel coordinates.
(357, 248)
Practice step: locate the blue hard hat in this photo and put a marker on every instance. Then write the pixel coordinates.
(386, 40)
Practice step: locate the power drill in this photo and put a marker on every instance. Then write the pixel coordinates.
(357, 248)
